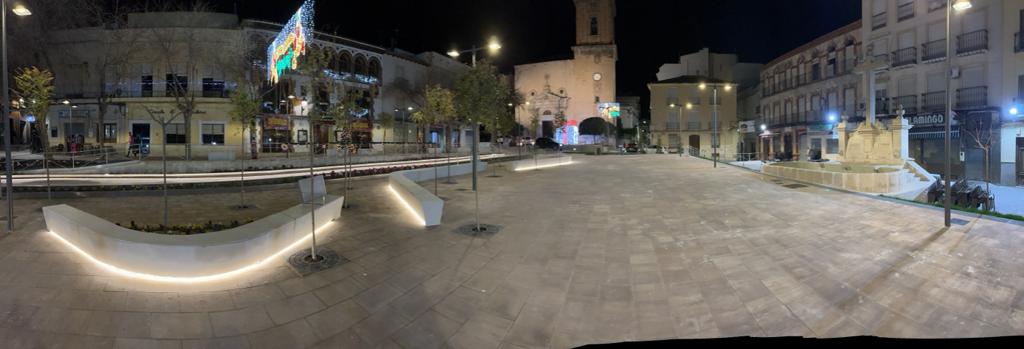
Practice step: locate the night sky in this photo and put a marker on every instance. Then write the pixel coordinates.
(648, 33)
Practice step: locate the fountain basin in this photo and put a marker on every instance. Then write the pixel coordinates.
(906, 180)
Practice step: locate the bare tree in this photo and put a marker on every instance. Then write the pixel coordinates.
(115, 48)
(163, 118)
(979, 131)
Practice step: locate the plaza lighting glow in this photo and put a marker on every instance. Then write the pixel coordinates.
(764, 127)
(21, 10)
(1013, 110)
(671, 105)
(453, 53)
(493, 45)
(689, 105)
(185, 279)
(831, 117)
(702, 86)
(728, 87)
(415, 214)
(543, 166)
(961, 5)
(290, 44)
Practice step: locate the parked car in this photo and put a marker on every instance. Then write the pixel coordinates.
(632, 148)
(547, 143)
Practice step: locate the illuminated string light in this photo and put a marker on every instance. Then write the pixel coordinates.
(290, 44)
(415, 214)
(185, 279)
(543, 166)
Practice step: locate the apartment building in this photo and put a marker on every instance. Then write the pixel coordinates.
(806, 92)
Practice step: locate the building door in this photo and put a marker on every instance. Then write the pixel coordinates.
(1020, 160)
(695, 141)
(547, 129)
(787, 144)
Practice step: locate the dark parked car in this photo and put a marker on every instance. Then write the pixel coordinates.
(547, 143)
(632, 148)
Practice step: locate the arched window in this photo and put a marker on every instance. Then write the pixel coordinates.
(360, 67)
(375, 68)
(344, 62)
(593, 25)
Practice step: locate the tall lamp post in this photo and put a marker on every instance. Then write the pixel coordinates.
(19, 10)
(714, 117)
(958, 5)
(492, 46)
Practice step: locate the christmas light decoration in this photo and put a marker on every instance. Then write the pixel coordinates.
(290, 44)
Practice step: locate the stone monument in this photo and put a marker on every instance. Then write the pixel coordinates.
(873, 141)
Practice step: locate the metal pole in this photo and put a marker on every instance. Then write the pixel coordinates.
(46, 164)
(714, 122)
(475, 158)
(948, 199)
(9, 161)
(312, 195)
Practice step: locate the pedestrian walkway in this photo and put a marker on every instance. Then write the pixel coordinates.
(613, 248)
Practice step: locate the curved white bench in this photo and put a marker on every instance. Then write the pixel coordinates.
(200, 256)
(423, 204)
(530, 164)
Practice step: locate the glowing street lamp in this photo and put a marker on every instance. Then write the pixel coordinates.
(21, 11)
(493, 46)
(959, 6)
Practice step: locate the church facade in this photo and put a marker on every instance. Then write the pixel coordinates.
(560, 95)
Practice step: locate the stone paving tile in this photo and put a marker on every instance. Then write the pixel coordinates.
(180, 325)
(288, 309)
(240, 321)
(724, 252)
(337, 318)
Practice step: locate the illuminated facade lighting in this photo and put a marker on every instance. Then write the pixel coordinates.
(290, 44)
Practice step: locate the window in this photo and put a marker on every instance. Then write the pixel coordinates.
(146, 80)
(213, 88)
(176, 85)
(109, 132)
(213, 134)
(1020, 88)
(597, 99)
(303, 136)
(831, 146)
(816, 72)
(175, 134)
(593, 25)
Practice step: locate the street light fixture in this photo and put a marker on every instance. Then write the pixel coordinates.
(493, 46)
(19, 10)
(958, 5)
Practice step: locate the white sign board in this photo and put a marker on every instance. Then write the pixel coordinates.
(319, 189)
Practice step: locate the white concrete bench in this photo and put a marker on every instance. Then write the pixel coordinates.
(423, 204)
(208, 255)
(541, 162)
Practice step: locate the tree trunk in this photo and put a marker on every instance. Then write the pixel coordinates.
(188, 136)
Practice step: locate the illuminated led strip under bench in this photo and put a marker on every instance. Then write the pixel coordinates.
(187, 257)
(530, 164)
(421, 203)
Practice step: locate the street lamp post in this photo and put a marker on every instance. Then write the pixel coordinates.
(958, 5)
(18, 10)
(714, 118)
(493, 46)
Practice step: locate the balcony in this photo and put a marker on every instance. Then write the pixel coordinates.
(672, 126)
(933, 50)
(693, 125)
(908, 102)
(972, 42)
(878, 21)
(972, 97)
(1018, 42)
(933, 101)
(904, 56)
(905, 11)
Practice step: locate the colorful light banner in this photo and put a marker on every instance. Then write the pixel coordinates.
(608, 110)
(290, 44)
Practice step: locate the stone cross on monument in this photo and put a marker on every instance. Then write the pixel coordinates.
(874, 142)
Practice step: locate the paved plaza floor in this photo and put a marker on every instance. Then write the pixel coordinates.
(608, 249)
